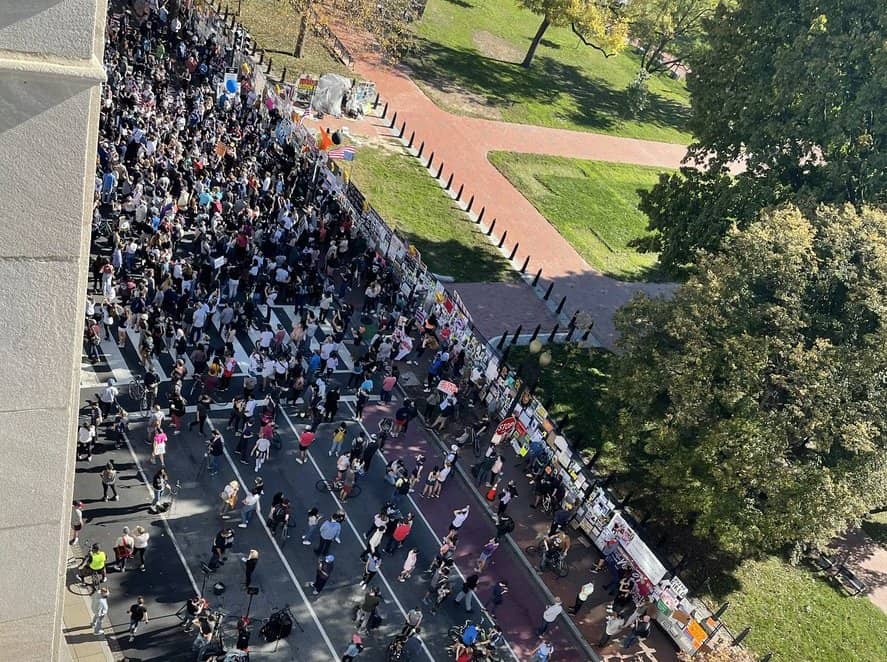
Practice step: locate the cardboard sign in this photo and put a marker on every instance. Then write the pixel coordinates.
(506, 426)
(447, 387)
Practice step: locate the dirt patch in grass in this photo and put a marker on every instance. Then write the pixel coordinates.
(496, 48)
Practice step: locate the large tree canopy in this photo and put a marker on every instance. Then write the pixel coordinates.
(669, 30)
(752, 405)
(796, 91)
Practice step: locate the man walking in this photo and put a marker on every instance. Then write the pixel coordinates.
(99, 609)
(497, 596)
(329, 531)
(324, 570)
(467, 591)
(138, 614)
(584, 593)
(549, 616)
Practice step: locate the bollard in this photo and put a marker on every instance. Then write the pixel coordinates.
(505, 354)
(560, 306)
(480, 217)
(255, 46)
(548, 291)
(490, 229)
(523, 269)
(587, 331)
(376, 101)
(502, 239)
(402, 129)
(573, 318)
(412, 138)
(570, 330)
(459, 194)
(270, 60)
(262, 56)
(537, 277)
(421, 149)
(393, 120)
(283, 76)
(430, 161)
(535, 332)
(502, 340)
(470, 203)
(594, 458)
(516, 333)
(553, 333)
(385, 110)
(513, 251)
(439, 170)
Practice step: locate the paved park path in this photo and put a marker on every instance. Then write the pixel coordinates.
(464, 142)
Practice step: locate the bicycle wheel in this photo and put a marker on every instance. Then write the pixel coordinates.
(562, 569)
(531, 549)
(355, 491)
(136, 391)
(324, 485)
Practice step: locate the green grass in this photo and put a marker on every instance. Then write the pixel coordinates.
(274, 24)
(408, 198)
(468, 60)
(800, 618)
(593, 204)
(875, 527)
(576, 380)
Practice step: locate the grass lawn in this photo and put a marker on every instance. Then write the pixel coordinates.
(406, 196)
(800, 618)
(469, 57)
(875, 527)
(274, 24)
(593, 204)
(576, 380)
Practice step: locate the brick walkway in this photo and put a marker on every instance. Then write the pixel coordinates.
(464, 142)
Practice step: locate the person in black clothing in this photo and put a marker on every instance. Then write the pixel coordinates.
(369, 452)
(215, 448)
(203, 405)
(250, 561)
(324, 570)
(280, 515)
(221, 543)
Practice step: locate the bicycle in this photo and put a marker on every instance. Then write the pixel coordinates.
(335, 486)
(137, 392)
(559, 567)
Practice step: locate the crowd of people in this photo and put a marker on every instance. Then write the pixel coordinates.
(204, 220)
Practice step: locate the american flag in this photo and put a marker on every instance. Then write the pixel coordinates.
(345, 153)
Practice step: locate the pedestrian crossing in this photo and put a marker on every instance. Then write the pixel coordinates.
(121, 363)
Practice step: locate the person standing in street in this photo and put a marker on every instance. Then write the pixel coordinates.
(313, 524)
(611, 628)
(469, 585)
(248, 507)
(354, 648)
(322, 574)
(329, 531)
(542, 652)
(497, 596)
(550, 615)
(228, 498)
(99, 609)
(409, 565)
(138, 614)
(370, 601)
(584, 593)
(123, 549)
(371, 568)
(640, 630)
(250, 561)
(140, 546)
(215, 447)
(459, 517)
(76, 522)
(485, 554)
(109, 481)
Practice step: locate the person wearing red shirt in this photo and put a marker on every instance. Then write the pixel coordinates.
(305, 440)
(401, 531)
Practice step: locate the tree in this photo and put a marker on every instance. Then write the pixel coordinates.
(599, 24)
(668, 30)
(752, 405)
(794, 90)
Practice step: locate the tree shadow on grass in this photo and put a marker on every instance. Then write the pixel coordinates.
(504, 84)
(460, 3)
(474, 260)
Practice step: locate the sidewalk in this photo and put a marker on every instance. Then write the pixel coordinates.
(463, 144)
(80, 642)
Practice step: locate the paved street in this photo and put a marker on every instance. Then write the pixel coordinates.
(181, 539)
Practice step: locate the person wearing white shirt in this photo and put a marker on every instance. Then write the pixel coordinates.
(459, 517)
(99, 609)
(550, 615)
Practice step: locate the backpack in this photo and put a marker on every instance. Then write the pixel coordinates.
(469, 635)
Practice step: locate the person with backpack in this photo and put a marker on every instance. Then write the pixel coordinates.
(280, 515)
(469, 585)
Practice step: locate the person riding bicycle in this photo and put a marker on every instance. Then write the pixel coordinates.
(554, 549)
(94, 563)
